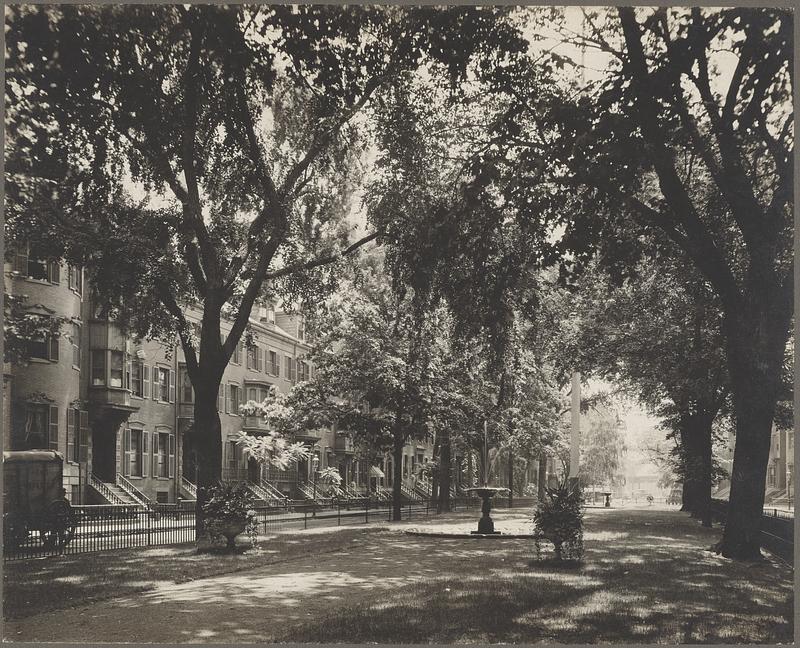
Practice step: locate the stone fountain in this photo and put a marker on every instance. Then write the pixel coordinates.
(486, 493)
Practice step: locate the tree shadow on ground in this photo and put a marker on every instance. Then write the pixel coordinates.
(660, 585)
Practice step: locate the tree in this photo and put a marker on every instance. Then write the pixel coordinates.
(716, 166)
(666, 143)
(659, 336)
(602, 450)
(375, 369)
(239, 127)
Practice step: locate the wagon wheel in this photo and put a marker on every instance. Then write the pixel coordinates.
(60, 526)
(15, 531)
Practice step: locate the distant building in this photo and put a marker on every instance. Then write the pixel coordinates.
(120, 411)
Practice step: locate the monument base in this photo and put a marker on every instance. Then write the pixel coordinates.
(486, 532)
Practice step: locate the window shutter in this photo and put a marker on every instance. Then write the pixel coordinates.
(54, 270)
(155, 472)
(220, 398)
(171, 456)
(53, 436)
(228, 399)
(126, 447)
(171, 386)
(21, 262)
(54, 340)
(145, 452)
(84, 436)
(129, 374)
(277, 366)
(156, 383)
(146, 380)
(72, 434)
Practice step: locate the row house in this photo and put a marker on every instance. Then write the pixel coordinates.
(120, 410)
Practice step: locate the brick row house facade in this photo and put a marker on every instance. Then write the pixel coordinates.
(120, 410)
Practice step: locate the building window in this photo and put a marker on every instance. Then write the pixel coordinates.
(162, 497)
(256, 393)
(187, 392)
(233, 406)
(76, 345)
(233, 456)
(137, 452)
(75, 278)
(137, 378)
(164, 378)
(162, 468)
(29, 265)
(290, 370)
(237, 354)
(274, 365)
(98, 367)
(38, 347)
(37, 427)
(117, 364)
(303, 370)
(254, 357)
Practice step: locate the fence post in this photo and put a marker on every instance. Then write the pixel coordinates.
(338, 513)
(305, 518)
(366, 511)
(147, 517)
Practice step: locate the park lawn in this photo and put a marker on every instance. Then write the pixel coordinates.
(60, 582)
(646, 578)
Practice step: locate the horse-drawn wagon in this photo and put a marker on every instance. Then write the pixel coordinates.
(34, 500)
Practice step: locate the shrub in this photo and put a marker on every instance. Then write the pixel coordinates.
(559, 518)
(230, 502)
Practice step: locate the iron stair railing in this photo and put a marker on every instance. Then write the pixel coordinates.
(104, 490)
(267, 495)
(138, 496)
(189, 487)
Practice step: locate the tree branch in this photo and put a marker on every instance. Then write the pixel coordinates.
(323, 260)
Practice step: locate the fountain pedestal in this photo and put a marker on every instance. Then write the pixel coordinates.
(485, 524)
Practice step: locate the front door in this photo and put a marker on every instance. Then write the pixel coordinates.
(104, 452)
(253, 471)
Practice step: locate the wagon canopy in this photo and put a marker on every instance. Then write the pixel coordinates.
(32, 456)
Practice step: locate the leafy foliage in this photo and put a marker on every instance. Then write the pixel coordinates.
(559, 518)
(227, 503)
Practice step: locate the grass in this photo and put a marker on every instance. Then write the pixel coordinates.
(61, 582)
(646, 578)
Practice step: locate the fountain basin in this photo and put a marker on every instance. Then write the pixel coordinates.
(486, 493)
(452, 535)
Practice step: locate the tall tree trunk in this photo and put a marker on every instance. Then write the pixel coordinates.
(510, 478)
(445, 472)
(437, 444)
(541, 477)
(397, 493)
(704, 432)
(756, 345)
(207, 432)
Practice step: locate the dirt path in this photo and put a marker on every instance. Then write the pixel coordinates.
(254, 606)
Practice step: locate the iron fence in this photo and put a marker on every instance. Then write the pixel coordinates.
(90, 528)
(777, 528)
